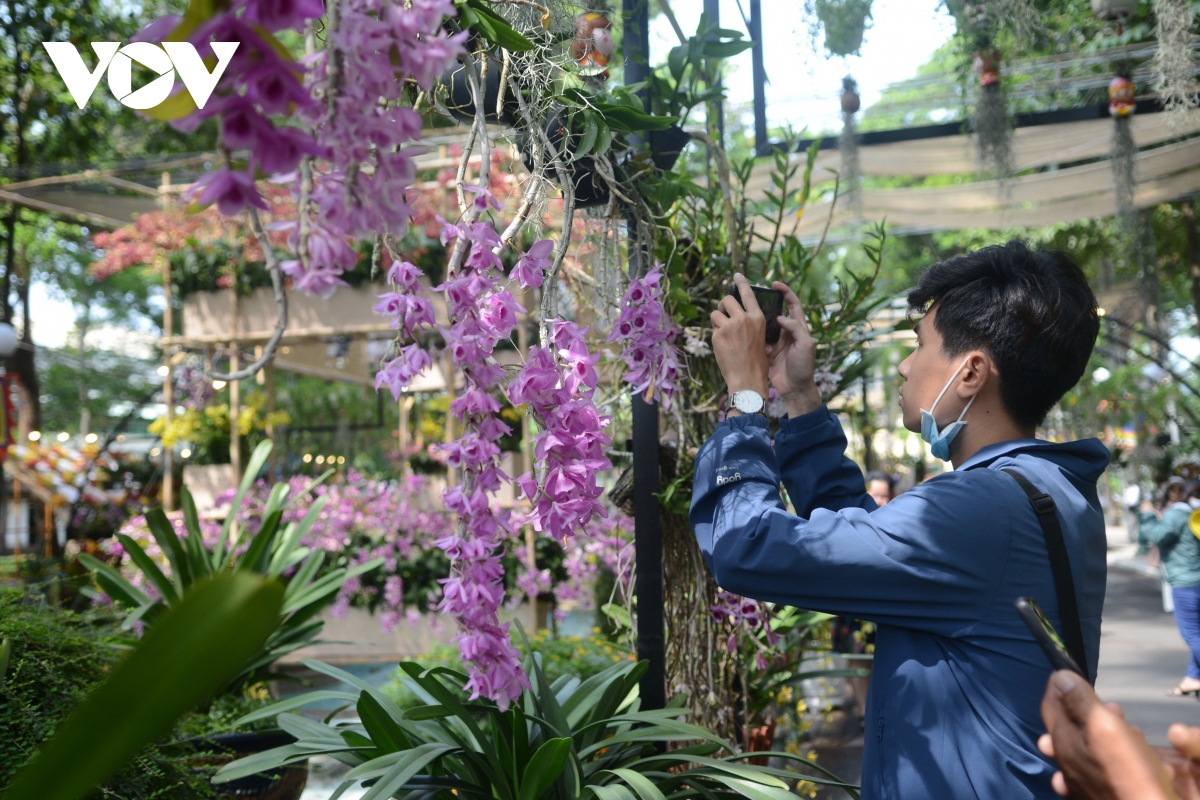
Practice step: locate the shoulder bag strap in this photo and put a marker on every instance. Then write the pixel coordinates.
(1060, 565)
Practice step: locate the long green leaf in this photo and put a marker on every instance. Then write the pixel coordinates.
(543, 769)
(295, 702)
(753, 790)
(149, 569)
(385, 732)
(270, 759)
(294, 535)
(114, 585)
(406, 768)
(645, 789)
(257, 460)
(256, 555)
(5, 652)
(194, 541)
(164, 534)
(192, 653)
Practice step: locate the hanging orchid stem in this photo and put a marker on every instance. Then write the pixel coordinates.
(503, 90)
(478, 135)
(550, 285)
(268, 353)
(333, 10)
(718, 154)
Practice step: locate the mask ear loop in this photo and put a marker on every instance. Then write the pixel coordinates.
(946, 388)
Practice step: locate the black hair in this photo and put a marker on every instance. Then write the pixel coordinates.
(1031, 310)
(1191, 488)
(877, 475)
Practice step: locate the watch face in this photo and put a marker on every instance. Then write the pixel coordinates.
(748, 401)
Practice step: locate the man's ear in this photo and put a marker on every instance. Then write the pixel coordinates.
(979, 371)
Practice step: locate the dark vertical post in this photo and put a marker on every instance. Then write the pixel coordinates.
(762, 146)
(647, 514)
(712, 10)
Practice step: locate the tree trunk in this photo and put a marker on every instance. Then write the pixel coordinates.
(22, 365)
(1193, 254)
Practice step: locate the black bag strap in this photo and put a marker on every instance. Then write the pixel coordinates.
(1060, 565)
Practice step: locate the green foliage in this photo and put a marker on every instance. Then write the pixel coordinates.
(844, 22)
(490, 26)
(182, 662)
(569, 738)
(274, 550)
(684, 82)
(53, 658)
(561, 655)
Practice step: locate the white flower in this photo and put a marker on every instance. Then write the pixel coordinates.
(694, 345)
(827, 382)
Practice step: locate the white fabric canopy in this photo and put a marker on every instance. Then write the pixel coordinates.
(1167, 169)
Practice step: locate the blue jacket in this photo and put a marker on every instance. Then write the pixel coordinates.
(953, 710)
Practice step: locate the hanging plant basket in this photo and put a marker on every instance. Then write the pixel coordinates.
(844, 22)
(461, 105)
(590, 188)
(667, 145)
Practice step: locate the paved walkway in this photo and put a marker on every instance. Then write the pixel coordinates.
(1141, 654)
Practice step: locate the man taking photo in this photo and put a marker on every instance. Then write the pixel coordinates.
(953, 710)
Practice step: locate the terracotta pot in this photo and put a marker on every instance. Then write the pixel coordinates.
(593, 43)
(851, 102)
(987, 66)
(761, 739)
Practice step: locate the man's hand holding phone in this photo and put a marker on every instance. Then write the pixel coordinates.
(747, 362)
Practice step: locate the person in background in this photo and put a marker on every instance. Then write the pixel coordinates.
(1102, 757)
(1179, 550)
(881, 486)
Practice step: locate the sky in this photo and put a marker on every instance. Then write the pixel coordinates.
(804, 86)
(803, 92)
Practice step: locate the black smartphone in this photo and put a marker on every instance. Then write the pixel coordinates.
(1046, 636)
(770, 301)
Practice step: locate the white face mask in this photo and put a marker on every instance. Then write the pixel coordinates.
(939, 441)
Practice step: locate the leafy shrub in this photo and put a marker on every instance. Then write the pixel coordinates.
(56, 658)
(561, 655)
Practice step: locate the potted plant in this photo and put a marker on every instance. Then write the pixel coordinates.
(461, 105)
(567, 739)
(685, 82)
(844, 22)
(274, 551)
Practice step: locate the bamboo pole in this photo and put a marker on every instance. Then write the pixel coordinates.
(235, 394)
(168, 484)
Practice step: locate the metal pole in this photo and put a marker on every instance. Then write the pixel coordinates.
(168, 462)
(712, 10)
(647, 513)
(762, 145)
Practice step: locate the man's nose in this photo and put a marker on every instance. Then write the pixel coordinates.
(904, 367)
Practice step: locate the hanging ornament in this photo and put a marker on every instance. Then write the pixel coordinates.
(593, 44)
(993, 126)
(1115, 11)
(1121, 97)
(987, 66)
(1174, 63)
(1121, 93)
(851, 168)
(851, 102)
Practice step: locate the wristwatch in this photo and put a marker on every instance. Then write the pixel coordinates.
(747, 401)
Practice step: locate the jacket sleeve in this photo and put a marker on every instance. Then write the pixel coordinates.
(811, 453)
(910, 563)
(1159, 532)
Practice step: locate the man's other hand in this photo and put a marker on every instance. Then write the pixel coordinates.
(793, 358)
(1100, 756)
(740, 340)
